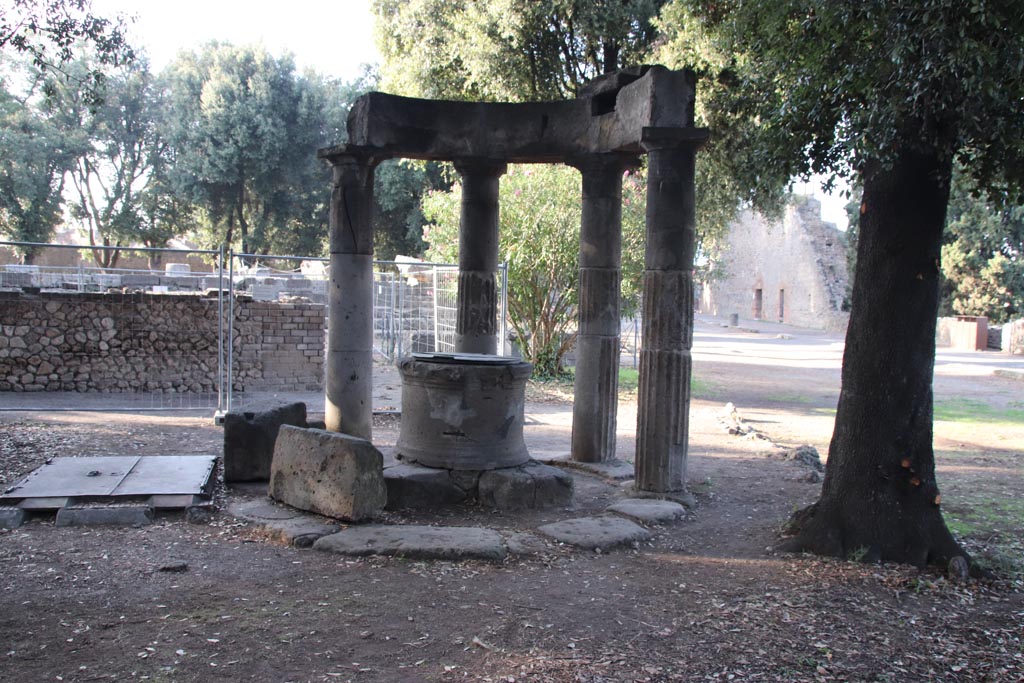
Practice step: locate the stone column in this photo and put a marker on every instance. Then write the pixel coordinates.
(595, 407)
(476, 328)
(663, 405)
(349, 386)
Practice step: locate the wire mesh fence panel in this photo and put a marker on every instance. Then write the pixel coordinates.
(630, 341)
(141, 332)
(169, 329)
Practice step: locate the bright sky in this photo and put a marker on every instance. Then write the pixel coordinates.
(335, 38)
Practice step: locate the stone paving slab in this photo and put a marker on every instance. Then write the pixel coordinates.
(648, 510)
(417, 542)
(283, 523)
(595, 533)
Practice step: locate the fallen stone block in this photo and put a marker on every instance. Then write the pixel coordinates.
(417, 542)
(595, 533)
(335, 475)
(249, 440)
(415, 486)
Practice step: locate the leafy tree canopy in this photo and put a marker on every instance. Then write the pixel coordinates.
(49, 31)
(510, 50)
(838, 88)
(540, 227)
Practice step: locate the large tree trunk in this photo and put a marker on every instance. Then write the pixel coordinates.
(880, 500)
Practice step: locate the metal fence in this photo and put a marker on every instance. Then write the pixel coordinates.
(413, 303)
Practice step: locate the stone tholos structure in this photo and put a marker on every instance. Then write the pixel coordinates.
(616, 118)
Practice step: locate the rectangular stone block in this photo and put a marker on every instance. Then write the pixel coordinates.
(328, 473)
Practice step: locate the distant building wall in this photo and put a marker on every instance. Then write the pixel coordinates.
(791, 271)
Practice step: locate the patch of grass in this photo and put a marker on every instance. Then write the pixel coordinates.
(994, 524)
(972, 411)
(788, 397)
(831, 412)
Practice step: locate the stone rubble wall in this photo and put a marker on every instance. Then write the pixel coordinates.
(155, 343)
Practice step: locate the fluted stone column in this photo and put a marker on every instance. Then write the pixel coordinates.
(595, 406)
(476, 327)
(663, 405)
(349, 387)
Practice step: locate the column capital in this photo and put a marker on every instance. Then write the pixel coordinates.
(604, 162)
(479, 166)
(656, 138)
(344, 155)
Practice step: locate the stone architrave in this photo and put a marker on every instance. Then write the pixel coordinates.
(476, 328)
(349, 383)
(331, 474)
(663, 405)
(597, 345)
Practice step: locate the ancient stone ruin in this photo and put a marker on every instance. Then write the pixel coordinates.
(616, 118)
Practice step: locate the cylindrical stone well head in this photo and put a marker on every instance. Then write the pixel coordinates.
(463, 413)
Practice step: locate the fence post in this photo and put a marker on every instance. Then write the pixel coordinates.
(231, 326)
(504, 309)
(220, 330)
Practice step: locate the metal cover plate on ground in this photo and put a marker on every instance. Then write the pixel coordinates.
(467, 358)
(65, 479)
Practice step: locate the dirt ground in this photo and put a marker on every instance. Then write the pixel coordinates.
(705, 600)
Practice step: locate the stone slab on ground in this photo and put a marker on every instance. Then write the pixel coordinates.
(283, 523)
(525, 543)
(684, 498)
(417, 542)
(615, 470)
(596, 533)
(332, 474)
(415, 486)
(647, 510)
(532, 486)
(11, 518)
(121, 515)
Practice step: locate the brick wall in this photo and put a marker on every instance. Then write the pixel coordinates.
(157, 343)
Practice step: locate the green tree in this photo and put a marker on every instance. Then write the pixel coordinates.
(889, 92)
(111, 175)
(244, 129)
(508, 49)
(539, 239)
(983, 254)
(50, 31)
(36, 151)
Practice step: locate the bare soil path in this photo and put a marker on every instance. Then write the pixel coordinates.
(706, 600)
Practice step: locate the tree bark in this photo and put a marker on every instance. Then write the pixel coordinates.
(880, 500)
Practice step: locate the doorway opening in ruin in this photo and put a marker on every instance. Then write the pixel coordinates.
(782, 305)
(758, 303)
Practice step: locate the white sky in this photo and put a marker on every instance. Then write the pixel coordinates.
(335, 38)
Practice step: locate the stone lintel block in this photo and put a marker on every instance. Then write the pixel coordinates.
(249, 440)
(332, 474)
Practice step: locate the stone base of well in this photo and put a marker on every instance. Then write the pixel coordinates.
(531, 486)
(463, 412)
